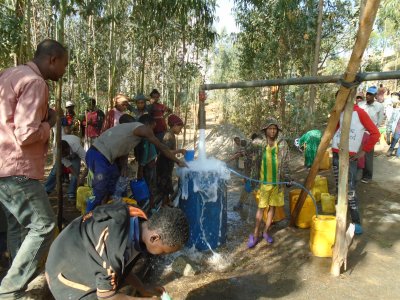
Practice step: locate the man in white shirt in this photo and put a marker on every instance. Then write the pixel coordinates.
(375, 111)
(72, 155)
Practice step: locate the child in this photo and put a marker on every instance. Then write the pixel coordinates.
(141, 107)
(272, 165)
(146, 155)
(94, 255)
(164, 165)
(157, 111)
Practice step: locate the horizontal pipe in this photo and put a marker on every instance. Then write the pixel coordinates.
(300, 81)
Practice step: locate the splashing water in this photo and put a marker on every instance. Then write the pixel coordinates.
(219, 262)
(205, 175)
(202, 144)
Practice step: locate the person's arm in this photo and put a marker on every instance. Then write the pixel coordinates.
(77, 148)
(30, 126)
(144, 132)
(372, 130)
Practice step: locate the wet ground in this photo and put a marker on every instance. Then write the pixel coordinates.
(287, 269)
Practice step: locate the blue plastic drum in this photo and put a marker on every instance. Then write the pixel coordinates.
(207, 217)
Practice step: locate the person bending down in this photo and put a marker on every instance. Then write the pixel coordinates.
(93, 256)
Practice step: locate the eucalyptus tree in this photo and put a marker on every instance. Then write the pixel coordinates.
(277, 40)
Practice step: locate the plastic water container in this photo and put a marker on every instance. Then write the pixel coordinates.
(328, 203)
(293, 193)
(321, 182)
(189, 155)
(82, 194)
(322, 235)
(207, 218)
(140, 190)
(306, 213)
(325, 162)
(316, 193)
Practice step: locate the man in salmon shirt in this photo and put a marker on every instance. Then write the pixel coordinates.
(25, 122)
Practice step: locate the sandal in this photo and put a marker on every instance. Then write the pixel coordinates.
(252, 241)
(268, 238)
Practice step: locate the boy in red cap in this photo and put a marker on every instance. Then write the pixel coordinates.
(165, 166)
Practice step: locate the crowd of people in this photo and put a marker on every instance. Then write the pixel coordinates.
(93, 256)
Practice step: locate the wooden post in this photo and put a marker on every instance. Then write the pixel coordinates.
(364, 31)
(341, 247)
(63, 7)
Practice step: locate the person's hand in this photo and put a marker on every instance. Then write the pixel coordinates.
(359, 154)
(52, 117)
(182, 164)
(289, 184)
(183, 151)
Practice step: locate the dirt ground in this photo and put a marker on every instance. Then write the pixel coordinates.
(287, 269)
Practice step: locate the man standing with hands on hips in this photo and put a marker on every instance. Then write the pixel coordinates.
(25, 122)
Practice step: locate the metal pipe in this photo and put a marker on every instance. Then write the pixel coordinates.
(300, 81)
(202, 110)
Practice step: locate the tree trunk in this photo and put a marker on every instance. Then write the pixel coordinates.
(112, 56)
(364, 31)
(314, 70)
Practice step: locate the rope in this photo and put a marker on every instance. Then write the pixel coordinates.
(279, 183)
(350, 85)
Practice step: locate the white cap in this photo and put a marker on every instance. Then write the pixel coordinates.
(69, 104)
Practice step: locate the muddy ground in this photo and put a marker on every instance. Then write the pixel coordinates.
(287, 269)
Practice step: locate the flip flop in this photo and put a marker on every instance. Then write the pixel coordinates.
(252, 241)
(268, 238)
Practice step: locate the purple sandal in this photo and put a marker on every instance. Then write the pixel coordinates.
(268, 238)
(252, 241)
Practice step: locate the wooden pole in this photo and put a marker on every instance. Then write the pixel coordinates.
(340, 248)
(63, 7)
(364, 31)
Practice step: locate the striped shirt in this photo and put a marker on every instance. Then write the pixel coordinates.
(270, 164)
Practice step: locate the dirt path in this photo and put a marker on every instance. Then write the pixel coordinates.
(287, 268)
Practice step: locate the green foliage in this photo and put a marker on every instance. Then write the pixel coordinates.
(277, 40)
(9, 35)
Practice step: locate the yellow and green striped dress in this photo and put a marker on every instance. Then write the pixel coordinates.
(270, 194)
